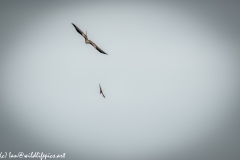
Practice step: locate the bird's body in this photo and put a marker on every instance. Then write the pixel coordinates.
(87, 41)
(101, 92)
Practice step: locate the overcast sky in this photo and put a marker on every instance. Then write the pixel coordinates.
(171, 79)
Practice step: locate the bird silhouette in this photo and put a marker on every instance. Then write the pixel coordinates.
(87, 41)
(101, 92)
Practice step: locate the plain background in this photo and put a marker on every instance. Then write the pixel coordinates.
(171, 79)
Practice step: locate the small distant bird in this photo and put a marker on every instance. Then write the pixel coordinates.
(87, 41)
(101, 92)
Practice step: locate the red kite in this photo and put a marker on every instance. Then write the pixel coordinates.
(101, 92)
(87, 41)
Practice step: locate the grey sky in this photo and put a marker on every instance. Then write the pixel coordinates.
(171, 79)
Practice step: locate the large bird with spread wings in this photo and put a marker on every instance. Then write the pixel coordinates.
(87, 41)
(101, 92)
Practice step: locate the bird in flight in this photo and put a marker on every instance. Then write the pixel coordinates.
(87, 41)
(101, 92)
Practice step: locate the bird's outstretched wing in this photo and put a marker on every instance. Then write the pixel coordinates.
(79, 31)
(101, 92)
(97, 48)
(103, 95)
